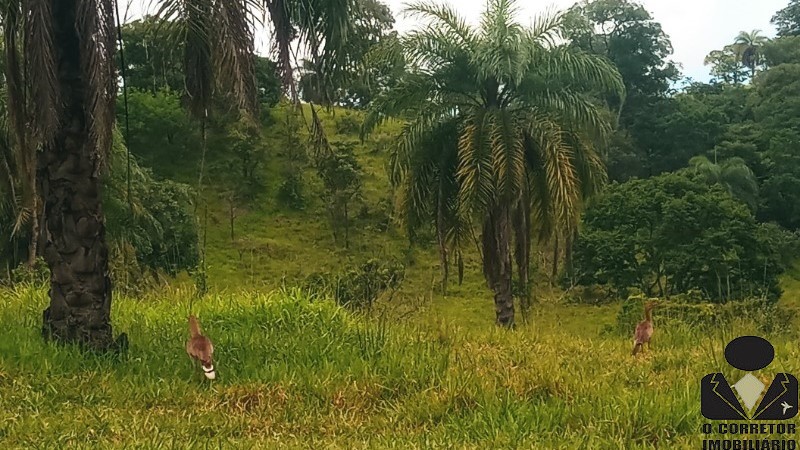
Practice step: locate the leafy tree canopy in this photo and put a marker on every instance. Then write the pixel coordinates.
(787, 20)
(668, 234)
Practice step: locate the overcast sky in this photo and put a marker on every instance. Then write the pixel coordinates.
(695, 26)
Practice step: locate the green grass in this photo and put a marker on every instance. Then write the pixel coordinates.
(296, 373)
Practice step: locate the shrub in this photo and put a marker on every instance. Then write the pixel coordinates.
(590, 295)
(341, 177)
(36, 275)
(347, 123)
(291, 192)
(690, 310)
(360, 286)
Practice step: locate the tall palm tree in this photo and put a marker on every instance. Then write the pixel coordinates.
(501, 131)
(62, 83)
(747, 46)
(733, 174)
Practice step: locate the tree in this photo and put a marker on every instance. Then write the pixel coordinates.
(152, 54)
(626, 33)
(668, 235)
(784, 50)
(341, 177)
(501, 130)
(372, 25)
(160, 133)
(672, 130)
(726, 65)
(787, 20)
(67, 98)
(749, 49)
(732, 174)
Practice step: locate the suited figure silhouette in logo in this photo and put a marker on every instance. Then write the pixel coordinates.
(749, 353)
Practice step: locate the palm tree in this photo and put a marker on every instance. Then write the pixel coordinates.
(62, 111)
(501, 131)
(748, 49)
(733, 174)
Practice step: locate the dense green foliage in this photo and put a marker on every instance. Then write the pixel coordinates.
(356, 85)
(787, 20)
(153, 220)
(668, 235)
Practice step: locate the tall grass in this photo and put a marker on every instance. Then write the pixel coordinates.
(301, 373)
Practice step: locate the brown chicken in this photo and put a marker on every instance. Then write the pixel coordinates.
(200, 348)
(644, 330)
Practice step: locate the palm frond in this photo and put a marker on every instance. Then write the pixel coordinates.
(283, 34)
(446, 17)
(575, 69)
(475, 172)
(546, 30)
(234, 53)
(41, 69)
(559, 194)
(319, 140)
(508, 155)
(95, 22)
(498, 55)
(192, 21)
(323, 27)
(16, 107)
(218, 47)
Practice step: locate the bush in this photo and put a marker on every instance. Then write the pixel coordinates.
(36, 275)
(291, 192)
(341, 177)
(590, 295)
(347, 123)
(358, 287)
(157, 222)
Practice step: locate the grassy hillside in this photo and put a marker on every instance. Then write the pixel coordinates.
(273, 245)
(300, 374)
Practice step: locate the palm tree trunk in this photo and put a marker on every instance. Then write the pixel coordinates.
(497, 267)
(460, 263)
(34, 241)
(522, 229)
(443, 260)
(554, 274)
(75, 243)
(568, 266)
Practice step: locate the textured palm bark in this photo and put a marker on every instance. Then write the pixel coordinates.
(556, 253)
(440, 237)
(568, 266)
(497, 266)
(522, 230)
(74, 231)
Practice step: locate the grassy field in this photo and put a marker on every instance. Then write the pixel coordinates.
(297, 373)
(300, 372)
